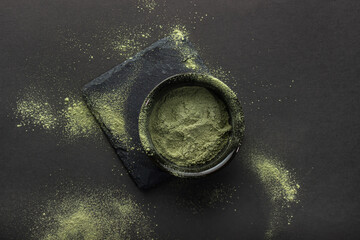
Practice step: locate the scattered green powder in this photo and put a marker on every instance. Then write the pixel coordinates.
(120, 42)
(189, 125)
(225, 76)
(148, 5)
(105, 215)
(126, 41)
(110, 109)
(34, 110)
(179, 33)
(79, 122)
(70, 117)
(191, 64)
(281, 188)
(221, 194)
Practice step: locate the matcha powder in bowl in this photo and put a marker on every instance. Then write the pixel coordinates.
(191, 124)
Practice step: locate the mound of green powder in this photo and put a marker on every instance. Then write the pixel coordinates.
(189, 125)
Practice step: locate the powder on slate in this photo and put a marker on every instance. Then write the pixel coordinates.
(189, 125)
(110, 109)
(78, 120)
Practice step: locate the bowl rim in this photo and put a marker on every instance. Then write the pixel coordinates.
(235, 113)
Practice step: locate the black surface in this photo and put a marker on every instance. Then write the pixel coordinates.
(142, 73)
(312, 45)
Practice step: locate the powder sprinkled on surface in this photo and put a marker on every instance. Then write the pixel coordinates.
(191, 64)
(110, 108)
(189, 125)
(225, 76)
(97, 215)
(70, 117)
(125, 41)
(281, 188)
(148, 5)
(78, 121)
(222, 194)
(33, 109)
(179, 33)
(110, 105)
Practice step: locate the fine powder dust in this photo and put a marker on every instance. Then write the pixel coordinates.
(281, 188)
(36, 111)
(189, 125)
(69, 117)
(77, 120)
(97, 215)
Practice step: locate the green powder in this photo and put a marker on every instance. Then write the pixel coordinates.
(34, 110)
(179, 34)
(148, 5)
(189, 125)
(281, 188)
(110, 109)
(98, 214)
(69, 117)
(78, 120)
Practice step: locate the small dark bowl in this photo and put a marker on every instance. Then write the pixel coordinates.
(218, 88)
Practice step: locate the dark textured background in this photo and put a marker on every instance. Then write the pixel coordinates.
(314, 128)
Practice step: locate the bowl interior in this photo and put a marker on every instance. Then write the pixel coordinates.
(217, 88)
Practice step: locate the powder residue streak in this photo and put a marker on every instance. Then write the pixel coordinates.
(281, 188)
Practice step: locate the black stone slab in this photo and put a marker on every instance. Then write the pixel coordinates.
(139, 75)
